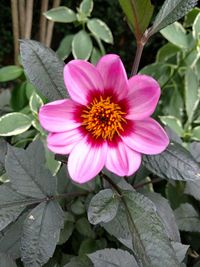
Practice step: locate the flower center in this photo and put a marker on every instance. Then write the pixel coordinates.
(103, 118)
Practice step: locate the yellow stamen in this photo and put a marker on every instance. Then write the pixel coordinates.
(103, 118)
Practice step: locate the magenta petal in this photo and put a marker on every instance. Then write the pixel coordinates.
(114, 75)
(147, 136)
(122, 160)
(86, 160)
(81, 79)
(63, 143)
(144, 93)
(58, 116)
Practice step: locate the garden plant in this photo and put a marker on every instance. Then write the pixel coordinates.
(99, 164)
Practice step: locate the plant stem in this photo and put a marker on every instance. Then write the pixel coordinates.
(146, 183)
(15, 26)
(43, 20)
(137, 59)
(29, 19)
(101, 47)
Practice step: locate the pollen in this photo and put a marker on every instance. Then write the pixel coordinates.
(103, 118)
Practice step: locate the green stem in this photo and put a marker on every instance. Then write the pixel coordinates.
(101, 47)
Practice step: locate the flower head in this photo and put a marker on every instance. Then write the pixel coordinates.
(107, 120)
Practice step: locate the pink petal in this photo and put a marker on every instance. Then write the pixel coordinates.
(81, 79)
(114, 75)
(63, 143)
(122, 160)
(86, 160)
(58, 116)
(146, 137)
(144, 93)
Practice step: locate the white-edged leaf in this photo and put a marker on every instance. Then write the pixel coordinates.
(176, 34)
(172, 122)
(65, 47)
(167, 51)
(112, 258)
(192, 95)
(61, 14)
(82, 45)
(170, 12)
(41, 233)
(26, 171)
(86, 7)
(14, 123)
(103, 207)
(101, 30)
(10, 73)
(196, 133)
(44, 69)
(35, 103)
(196, 27)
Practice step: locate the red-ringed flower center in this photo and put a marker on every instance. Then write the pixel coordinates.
(103, 118)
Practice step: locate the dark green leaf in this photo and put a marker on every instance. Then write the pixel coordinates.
(170, 12)
(44, 69)
(146, 228)
(6, 261)
(166, 215)
(103, 207)
(81, 261)
(61, 14)
(196, 27)
(187, 218)
(27, 173)
(113, 258)
(190, 17)
(138, 13)
(11, 205)
(41, 233)
(3, 152)
(96, 54)
(84, 227)
(10, 73)
(174, 163)
(82, 45)
(195, 150)
(19, 99)
(10, 241)
(66, 232)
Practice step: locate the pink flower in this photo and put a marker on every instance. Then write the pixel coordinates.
(107, 120)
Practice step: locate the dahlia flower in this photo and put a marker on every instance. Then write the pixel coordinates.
(106, 121)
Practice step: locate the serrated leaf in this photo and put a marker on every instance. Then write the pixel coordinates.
(147, 231)
(41, 232)
(192, 96)
(27, 173)
(6, 261)
(113, 258)
(170, 12)
(35, 103)
(61, 14)
(174, 163)
(65, 47)
(10, 240)
(138, 13)
(11, 205)
(44, 69)
(187, 218)
(166, 215)
(174, 123)
(103, 207)
(196, 28)
(100, 30)
(180, 250)
(176, 34)
(14, 123)
(82, 45)
(86, 7)
(10, 73)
